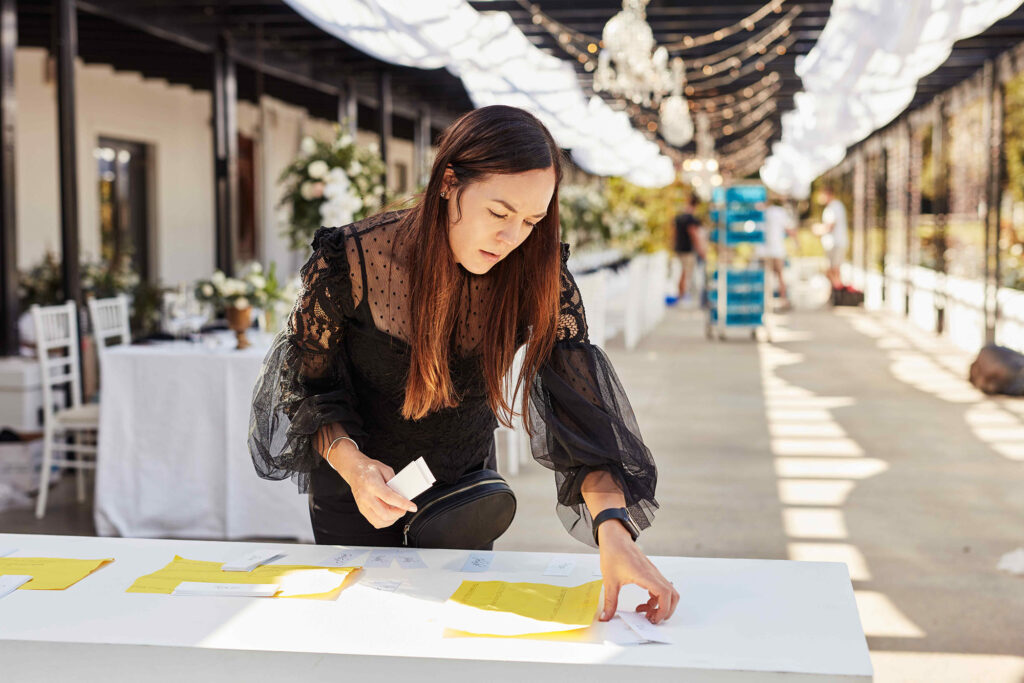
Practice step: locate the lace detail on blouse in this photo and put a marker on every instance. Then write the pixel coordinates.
(343, 358)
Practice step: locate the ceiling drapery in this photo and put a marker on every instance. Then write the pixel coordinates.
(862, 72)
(497, 65)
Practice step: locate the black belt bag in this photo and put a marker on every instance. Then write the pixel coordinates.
(469, 514)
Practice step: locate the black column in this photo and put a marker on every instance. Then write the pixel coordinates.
(65, 49)
(384, 114)
(225, 152)
(8, 222)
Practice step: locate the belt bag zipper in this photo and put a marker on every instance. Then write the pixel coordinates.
(420, 511)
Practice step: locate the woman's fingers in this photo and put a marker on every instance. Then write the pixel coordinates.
(611, 600)
(663, 598)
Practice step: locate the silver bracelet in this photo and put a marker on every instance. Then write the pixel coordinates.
(327, 456)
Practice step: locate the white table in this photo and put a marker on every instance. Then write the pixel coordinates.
(173, 460)
(737, 620)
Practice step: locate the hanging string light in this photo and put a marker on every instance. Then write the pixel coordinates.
(760, 133)
(751, 46)
(768, 82)
(711, 82)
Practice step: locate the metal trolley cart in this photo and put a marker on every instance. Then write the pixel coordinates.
(737, 293)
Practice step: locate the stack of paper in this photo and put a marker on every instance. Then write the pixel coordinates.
(50, 573)
(292, 581)
(414, 479)
(510, 609)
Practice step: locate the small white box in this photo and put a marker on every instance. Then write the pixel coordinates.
(21, 394)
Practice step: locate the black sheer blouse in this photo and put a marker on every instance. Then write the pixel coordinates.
(343, 358)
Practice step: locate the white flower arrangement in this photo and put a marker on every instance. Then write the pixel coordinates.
(330, 183)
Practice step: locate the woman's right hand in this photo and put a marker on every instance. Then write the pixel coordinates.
(368, 478)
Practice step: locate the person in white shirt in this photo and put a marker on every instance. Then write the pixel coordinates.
(778, 224)
(834, 234)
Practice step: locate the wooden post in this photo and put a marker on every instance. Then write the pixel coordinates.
(384, 111)
(993, 215)
(65, 40)
(225, 152)
(8, 215)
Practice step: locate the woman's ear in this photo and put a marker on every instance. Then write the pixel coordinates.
(448, 182)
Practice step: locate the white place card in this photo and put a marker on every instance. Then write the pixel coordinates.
(239, 590)
(414, 479)
(409, 559)
(379, 559)
(478, 562)
(637, 621)
(11, 583)
(346, 558)
(560, 568)
(251, 560)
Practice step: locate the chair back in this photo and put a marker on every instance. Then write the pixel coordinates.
(58, 352)
(110, 321)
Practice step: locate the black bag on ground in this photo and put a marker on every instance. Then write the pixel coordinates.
(998, 370)
(468, 515)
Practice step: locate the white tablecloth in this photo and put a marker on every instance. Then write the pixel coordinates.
(737, 621)
(173, 460)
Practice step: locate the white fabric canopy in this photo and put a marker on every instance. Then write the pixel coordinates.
(497, 65)
(862, 73)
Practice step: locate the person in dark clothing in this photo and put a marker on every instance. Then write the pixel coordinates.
(404, 330)
(689, 243)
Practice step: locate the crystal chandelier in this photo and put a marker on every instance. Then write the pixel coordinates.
(629, 66)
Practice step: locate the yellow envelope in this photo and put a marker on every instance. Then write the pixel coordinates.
(524, 608)
(297, 581)
(50, 573)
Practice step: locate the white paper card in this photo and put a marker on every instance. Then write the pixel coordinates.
(616, 631)
(637, 621)
(410, 559)
(478, 562)
(346, 558)
(414, 479)
(251, 560)
(242, 590)
(4, 552)
(379, 559)
(560, 568)
(389, 586)
(11, 583)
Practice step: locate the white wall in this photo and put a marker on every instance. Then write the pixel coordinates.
(175, 121)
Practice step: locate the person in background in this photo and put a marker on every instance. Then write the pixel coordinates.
(834, 235)
(689, 243)
(778, 224)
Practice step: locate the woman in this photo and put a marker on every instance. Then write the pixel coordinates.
(405, 328)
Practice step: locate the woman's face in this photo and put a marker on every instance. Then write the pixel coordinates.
(498, 212)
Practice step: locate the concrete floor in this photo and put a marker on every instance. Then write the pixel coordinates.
(852, 437)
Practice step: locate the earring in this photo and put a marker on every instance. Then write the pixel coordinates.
(444, 195)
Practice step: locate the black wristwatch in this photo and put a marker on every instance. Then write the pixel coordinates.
(621, 514)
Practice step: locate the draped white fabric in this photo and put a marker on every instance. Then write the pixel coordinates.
(862, 73)
(497, 65)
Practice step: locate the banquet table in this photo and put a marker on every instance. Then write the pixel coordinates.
(173, 460)
(737, 620)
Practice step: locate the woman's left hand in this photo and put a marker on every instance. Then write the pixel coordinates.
(622, 563)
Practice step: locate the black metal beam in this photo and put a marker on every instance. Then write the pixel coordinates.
(8, 216)
(225, 149)
(65, 38)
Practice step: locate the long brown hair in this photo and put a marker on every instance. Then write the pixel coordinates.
(485, 141)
